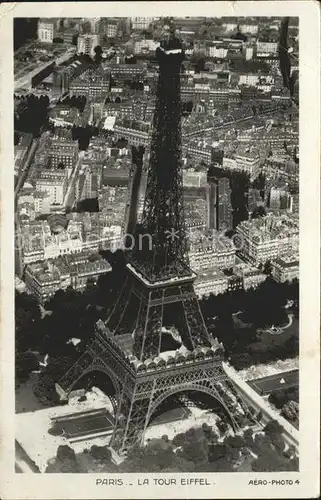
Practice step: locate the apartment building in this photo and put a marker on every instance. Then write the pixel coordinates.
(46, 30)
(43, 279)
(285, 268)
(209, 253)
(267, 238)
(86, 44)
(212, 282)
(53, 182)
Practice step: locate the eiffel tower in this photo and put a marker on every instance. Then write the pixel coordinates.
(158, 287)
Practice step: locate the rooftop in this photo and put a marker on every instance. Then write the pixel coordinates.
(247, 153)
(287, 261)
(78, 264)
(47, 20)
(213, 274)
(270, 227)
(213, 244)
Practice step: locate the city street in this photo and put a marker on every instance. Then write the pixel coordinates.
(24, 170)
(69, 196)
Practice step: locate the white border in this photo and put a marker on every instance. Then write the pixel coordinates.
(228, 485)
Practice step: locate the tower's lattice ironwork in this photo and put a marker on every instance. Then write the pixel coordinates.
(158, 286)
(163, 213)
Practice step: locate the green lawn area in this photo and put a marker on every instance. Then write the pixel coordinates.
(248, 349)
(268, 340)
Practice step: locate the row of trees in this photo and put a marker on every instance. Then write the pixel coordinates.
(280, 398)
(196, 450)
(78, 102)
(287, 401)
(32, 114)
(66, 460)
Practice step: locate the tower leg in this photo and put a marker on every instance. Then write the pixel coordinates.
(130, 423)
(92, 360)
(118, 312)
(83, 364)
(149, 324)
(194, 318)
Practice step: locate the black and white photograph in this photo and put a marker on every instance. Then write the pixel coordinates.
(157, 233)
